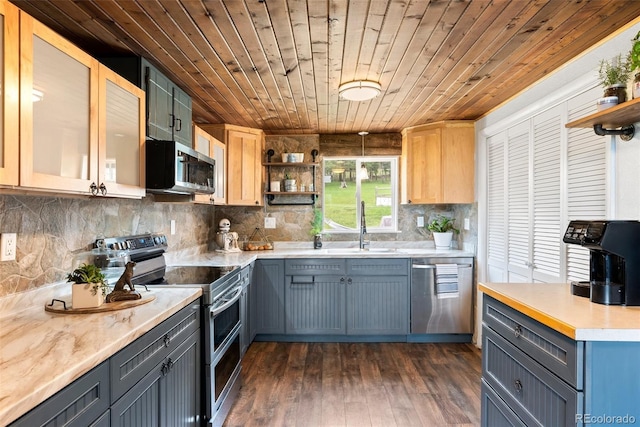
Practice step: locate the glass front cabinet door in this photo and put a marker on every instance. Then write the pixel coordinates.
(58, 106)
(9, 85)
(121, 136)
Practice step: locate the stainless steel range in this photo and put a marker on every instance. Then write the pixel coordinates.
(221, 289)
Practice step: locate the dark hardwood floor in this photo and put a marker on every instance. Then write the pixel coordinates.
(358, 384)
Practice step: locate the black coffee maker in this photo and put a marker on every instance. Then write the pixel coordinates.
(614, 264)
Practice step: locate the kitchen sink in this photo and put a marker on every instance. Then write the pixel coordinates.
(357, 250)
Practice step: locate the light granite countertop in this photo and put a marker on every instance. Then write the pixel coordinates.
(330, 250)
(42, 352)
(552, 304)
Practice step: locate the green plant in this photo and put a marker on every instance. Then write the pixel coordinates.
(442, 224)
(89, 273)
(316, 222)
(634, 55)
(616, 71)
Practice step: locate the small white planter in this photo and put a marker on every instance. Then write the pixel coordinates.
(82, 296)
(442, 240)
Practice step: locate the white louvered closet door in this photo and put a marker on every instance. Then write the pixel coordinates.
(496, 209)
(586, 179)
(518, 221)
(547, 223)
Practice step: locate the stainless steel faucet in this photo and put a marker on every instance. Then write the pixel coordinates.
(363, 228)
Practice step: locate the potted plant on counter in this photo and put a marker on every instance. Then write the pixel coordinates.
(442, 229)
(89, 286)
(634, 59)
(316, 228)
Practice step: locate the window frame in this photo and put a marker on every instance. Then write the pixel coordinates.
(395, 193)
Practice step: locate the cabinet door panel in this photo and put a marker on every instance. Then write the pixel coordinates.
(269, 291)
(378, 305)
(182, 117)
(121, 156)
(160, 99)
(315, 305)
(59, 99)
(181, 386)
(425, 154)
(9, 69)
(244, 169)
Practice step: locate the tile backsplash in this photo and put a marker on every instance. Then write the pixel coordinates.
(51, 230)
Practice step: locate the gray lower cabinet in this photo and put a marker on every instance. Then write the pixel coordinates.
(347, 296)
(169, 395)
(534, 375)
(268, 280)
(79, 404)
(154, 381)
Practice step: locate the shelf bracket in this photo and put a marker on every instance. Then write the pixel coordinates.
(625, 132)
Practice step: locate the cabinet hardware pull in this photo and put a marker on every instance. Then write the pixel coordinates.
(342, 280)
(349, 281)
(517, 331)
(179, 127)
(173, 121)
(103, 189)
(170, 364)
(94, 189)
(167, 340)
(518, 386)
(164, 369)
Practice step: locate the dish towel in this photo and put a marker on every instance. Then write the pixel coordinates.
(447, 281)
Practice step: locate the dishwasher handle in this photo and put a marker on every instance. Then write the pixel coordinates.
(433, 266)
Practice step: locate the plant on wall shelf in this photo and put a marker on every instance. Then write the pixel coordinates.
(615, 72)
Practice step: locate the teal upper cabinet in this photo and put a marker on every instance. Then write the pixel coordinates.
(169, 108)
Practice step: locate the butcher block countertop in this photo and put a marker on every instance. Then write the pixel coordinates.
(42, 352)
(553, 305)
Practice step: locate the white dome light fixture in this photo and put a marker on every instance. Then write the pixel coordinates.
(359, 90)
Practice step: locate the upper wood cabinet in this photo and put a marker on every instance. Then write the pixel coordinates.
(438, 163)
(217, 150)
(121, 158)
(58, 111)
(244, 162)
(9, 60)
(81, 125)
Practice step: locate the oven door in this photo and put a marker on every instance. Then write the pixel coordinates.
(223, 318)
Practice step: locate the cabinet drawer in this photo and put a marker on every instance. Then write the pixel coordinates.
(78, 404)
(317, 267)
(496, 413)
(537, 396)
(558, 353)
(134, 361)
(377, 266)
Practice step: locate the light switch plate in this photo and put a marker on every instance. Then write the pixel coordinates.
(269, 222)
(467, 225)
(420, 221)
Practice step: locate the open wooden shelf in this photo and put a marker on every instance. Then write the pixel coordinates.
(621, 115)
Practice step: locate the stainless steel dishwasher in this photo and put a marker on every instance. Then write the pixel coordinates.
(442, 295)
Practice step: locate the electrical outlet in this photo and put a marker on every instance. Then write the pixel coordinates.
(269, 222)
(8, 247)
(467, 225)
(420, 221)
(173, 227)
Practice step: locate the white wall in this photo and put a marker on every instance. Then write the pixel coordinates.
(574, 76)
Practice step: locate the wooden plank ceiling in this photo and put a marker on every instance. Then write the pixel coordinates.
(277, 64)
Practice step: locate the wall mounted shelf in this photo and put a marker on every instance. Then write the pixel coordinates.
(616, 120)
(279, 198)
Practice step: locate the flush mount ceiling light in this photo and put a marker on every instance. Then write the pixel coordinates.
(359, 90)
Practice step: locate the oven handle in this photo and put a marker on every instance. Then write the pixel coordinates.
(219, 309)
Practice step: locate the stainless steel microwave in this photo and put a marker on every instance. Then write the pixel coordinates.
(172, 167)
